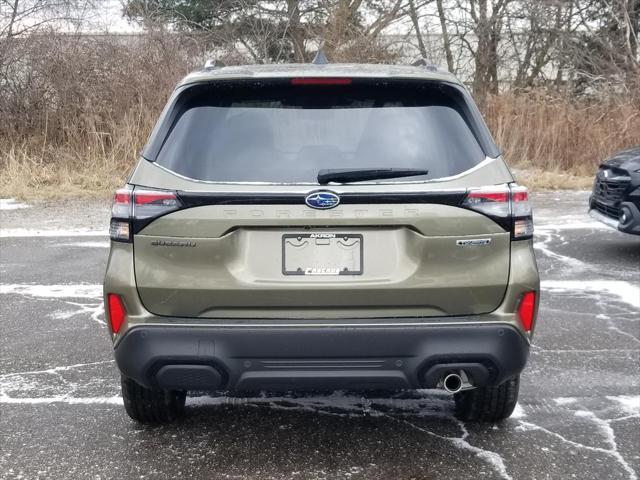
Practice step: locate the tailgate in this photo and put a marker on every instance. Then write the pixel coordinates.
(353, 261)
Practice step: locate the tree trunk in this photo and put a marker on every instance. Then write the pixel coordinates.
(481, 80)
(445, 36)
(296, 33)
(416, 25)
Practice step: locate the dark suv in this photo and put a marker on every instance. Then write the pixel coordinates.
(615, 199)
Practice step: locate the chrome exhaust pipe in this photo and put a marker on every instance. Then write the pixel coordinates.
(452, 383)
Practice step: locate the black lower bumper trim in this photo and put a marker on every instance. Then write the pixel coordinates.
(254, 358)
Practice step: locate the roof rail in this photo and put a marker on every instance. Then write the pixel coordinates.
(213, 63)
(423, 62)
(320, 58)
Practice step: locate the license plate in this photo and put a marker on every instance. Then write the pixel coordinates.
(322, 254)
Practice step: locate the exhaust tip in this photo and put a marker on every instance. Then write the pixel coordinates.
(452, 383)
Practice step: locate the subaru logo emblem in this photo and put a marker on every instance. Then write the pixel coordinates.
(322, 200)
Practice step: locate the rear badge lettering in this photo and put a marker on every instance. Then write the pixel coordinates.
(475, 242)
(172, 243)
(322, 271)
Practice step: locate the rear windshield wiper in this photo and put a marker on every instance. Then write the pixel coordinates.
(346, 175)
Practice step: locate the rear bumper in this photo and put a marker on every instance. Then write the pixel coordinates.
(249, 358)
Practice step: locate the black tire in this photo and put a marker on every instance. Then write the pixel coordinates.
(146, 405)
(488, 404)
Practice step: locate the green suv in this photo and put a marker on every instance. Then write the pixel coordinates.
(321, 227)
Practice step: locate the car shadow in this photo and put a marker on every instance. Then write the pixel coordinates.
(410, 435)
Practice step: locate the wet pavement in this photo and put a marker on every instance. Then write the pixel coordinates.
(61, 414)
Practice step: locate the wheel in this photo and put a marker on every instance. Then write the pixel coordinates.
(146, 405)
(488, 404)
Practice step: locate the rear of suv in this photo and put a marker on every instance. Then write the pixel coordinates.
(321, 227)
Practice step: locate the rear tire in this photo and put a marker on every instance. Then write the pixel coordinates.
(150, 405)
(488, 404)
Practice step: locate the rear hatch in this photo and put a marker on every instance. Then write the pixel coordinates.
(250, 232)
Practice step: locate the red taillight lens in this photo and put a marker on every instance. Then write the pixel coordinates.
(526, 310)
(121, 207)
(320, 81)
(479, 196)
(491, 202)
(521, 194)
(116, 312)
(153, 203)
(145, 197)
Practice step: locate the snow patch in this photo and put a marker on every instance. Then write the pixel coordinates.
(565, 400)
(629, 404)
(68, 232)
(105, 244)
(94, 307)
(518, 412)
(606, 430)
(53, 291)
(570, 225)
(113, 400)
(11, 204)
(625, 291)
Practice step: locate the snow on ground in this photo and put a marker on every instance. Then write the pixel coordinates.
(53, 291)
(100, 244)
(91, 304)
(11, 204)
(63, 232)
(625, 291)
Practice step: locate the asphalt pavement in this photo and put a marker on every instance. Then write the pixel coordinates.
(61, 414)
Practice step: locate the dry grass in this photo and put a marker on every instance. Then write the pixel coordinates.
(90, 164)
(551, 136)
(536, 179)
(74, 115)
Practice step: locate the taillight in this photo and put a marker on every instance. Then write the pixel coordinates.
(153, 203)
(491, 202)
(522, 213)
(120, 227)
(526, 310)
(116, 312)
(134, 208)
(508, 206)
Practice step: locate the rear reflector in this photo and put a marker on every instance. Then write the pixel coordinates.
(526, 310)
(320, 81)
(116, 312)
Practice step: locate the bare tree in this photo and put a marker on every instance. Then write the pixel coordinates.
(446, 42)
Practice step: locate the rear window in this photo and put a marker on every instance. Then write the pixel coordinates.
(277, 132)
